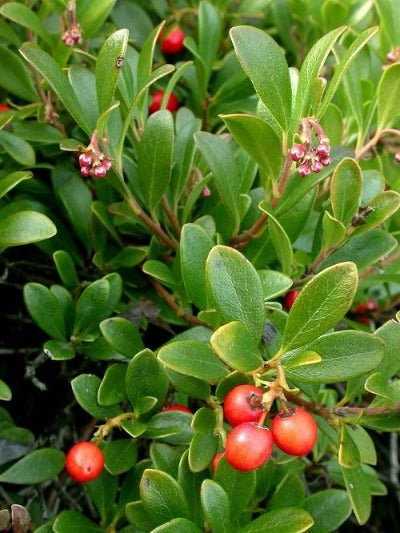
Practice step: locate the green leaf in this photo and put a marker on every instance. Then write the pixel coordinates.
(236, 347)
(203, 448)
(274, 283)
(17, 148)
(161, 272)
(383, 206)
(153, 173)
(364, 443)
(220, 159)
(8, 182)
(281, 243)
(194, 359)
(310, 70)
(76, 199)
(380, 386)
(66, 269)
(35, 467)
(5, 391)
(172, 427)
(69, 521)
(145, 62)
(216, 506)
(85, 388)
(108, 68)
(264, 62)
(333, 231)
(358, 491)
(177, 525)
(363, 250)
(58, 351)
(388, 94)
(288, 493)
(120, 455)
(320, 305)
(16, 78)
(92, 16)
(162, 496)
(288, 520)
(102, 492)
(345, 354)
(329, 509)
(83, 83)
(349, 455)
(111, 390)
(235, 289)
(45, 310)
(146, 377)
(255, 134)
(210, 29)
(122, 335)
(91, 307)
(389, 333)
(388, 12)
(344, 63)
(58, 81)
(239, 486)
(195, 246)
(346, 190)
(24, 16)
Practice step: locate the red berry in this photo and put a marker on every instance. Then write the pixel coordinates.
(295, 432)
(297, 152)
(4, 107)
(243, 404)
(290, 299)
(248, 446)
(177, 408)
(84, 461)
(363, 320)
(156, 99)
(304, 170)
(173, 42)
(216, 460)
(360, 309)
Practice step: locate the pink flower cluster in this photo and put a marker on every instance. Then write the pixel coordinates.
(72, 35)
(311, 159)
(93, 163)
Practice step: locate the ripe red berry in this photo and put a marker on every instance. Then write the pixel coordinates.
(290, 299)
(243, 404)
(173, 42)
(177, 408)
(248, 446)
(4, 107)
(295, 432)
(216, 460)
(156, 99)
(360, 309)
(84, 461)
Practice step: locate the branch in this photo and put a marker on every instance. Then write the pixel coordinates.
(171, 216)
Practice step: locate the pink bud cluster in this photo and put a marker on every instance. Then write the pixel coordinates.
(397, 157)
(72, 35)
(392, 57)
(93, 163)
(311, 159)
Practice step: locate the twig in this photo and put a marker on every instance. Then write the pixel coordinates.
(173, 305)
(171, 216)
(375, 140)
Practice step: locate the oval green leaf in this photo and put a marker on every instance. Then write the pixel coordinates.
(36, 467)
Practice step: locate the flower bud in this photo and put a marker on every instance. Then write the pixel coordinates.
(304, 170)
(98, 171)
(323, 149)
(397, 157)
(325, 161)
(85, 159)
(85, 171)
(316, 166)
(297, 152)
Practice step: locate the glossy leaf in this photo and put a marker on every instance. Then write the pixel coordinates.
(8, 182)
(216, 506)
(16, 77)
(73, 521)
(93, 16)
(5, 391)
(329, 509)
(112, 388)
(383, 206)
(288, 493)
(45, 309)
(24, 16)
(359, 492)
(122, 335)
(264, 63)
(239, 486)
(345, 354)
(203, 448)
(388, 95)
(58, 350)
(288, 520)
(162, 496)
(178, 525)
(85, 388)
(281, 243)
(236, 347)
(108, 67)
(17, 148)
(120, 455)
(25, 227)
(58, 81)
(235, 289)
(91, 306)
(154, 172)
(274, 283)
(333, 231)
(66, 269)
(35, 467)
(320, 305)
(194, 359)
(195, 246)
(345, 190)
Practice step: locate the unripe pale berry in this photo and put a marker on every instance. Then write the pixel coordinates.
(295, 431)
(84, 461)
(243, 404)
(248, 446)
(156, 99)
(173, 42)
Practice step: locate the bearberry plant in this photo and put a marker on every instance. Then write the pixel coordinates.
(199, 266)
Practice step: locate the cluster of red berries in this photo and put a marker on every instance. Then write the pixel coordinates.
(392, 57)
(72, 36)
(311, 159)
(364, 310)
(249, 444)
(94, 163)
